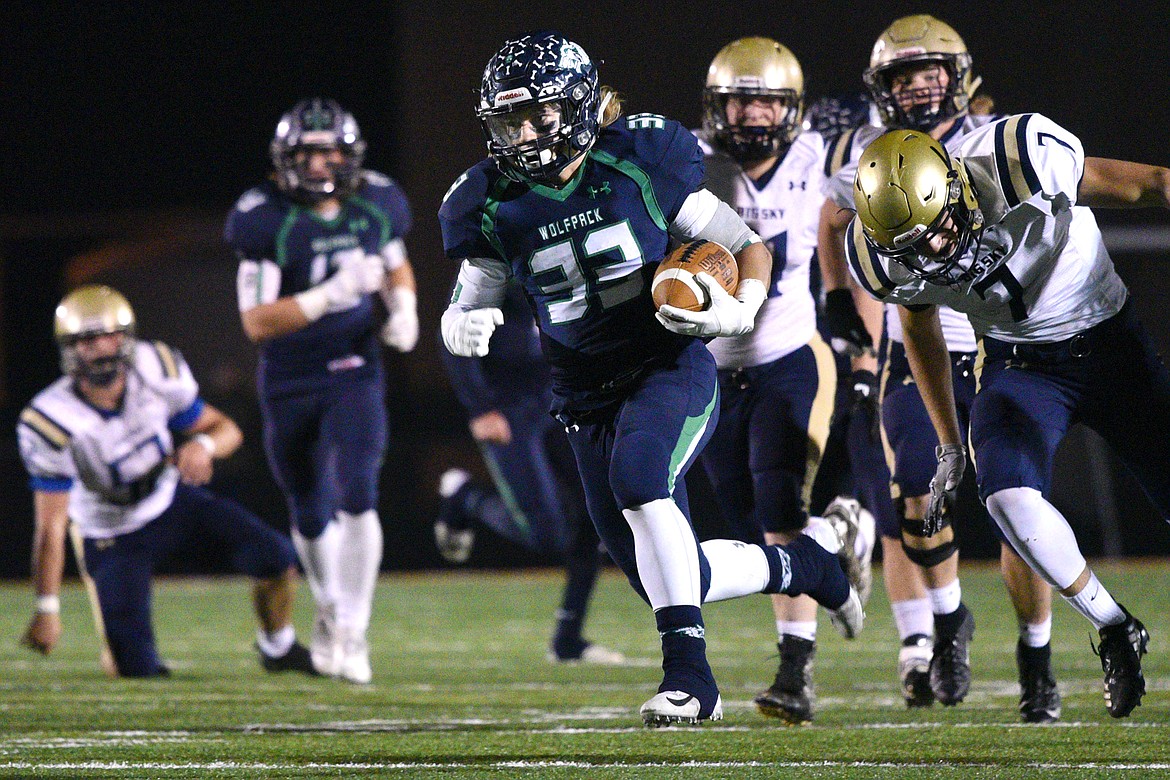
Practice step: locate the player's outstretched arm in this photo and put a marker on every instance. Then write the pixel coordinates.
(926, 351)
(51, 509)
(1120, 184)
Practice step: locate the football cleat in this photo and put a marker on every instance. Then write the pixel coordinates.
(950, 666)
(1121, 650)
(858, 531)
(297, 659)
(914, 671)
(1039, 698)
(353, 653)
(594, 655)
(849, 618)
(454, 536)
(791, 697)
(670, 707)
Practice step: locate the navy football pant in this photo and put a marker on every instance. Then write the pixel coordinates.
(639, 450)
(854, 463)
(773, 426)
(121, 567)
(1110, 378)
(325, 450)
(909, 434)
(540, 503)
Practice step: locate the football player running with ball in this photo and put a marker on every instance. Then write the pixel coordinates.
(920, 78)
(577, 203)
(1000, 230)
(777, 382)
(314, 245)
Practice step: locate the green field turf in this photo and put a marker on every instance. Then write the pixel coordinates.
(461, 689)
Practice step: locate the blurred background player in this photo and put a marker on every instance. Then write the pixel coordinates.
(537, 502)
(576, 203)
(122, 445)
(920, 78)
(1003, 232)
(776, 382)
(314, 244)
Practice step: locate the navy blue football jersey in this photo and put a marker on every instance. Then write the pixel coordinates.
(585, 253)
(284, 237)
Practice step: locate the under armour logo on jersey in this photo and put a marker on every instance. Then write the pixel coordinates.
(597, 192)
(792, 185)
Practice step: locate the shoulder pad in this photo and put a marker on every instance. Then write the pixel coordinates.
(50, 430)
(375, 178)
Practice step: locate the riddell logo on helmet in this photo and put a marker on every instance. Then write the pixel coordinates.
(909, 51)
(513, 96)
(909, 236)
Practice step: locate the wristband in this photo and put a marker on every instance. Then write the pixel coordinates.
(314, 302)
(205, 441)
(48, 605)
(399, 298)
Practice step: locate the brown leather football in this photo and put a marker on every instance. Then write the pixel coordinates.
(674, 281)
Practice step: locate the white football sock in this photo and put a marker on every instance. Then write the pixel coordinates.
(945, 600)
(737, 569)
(1036, 634)
(1039, 533)
(805, 629)
(1096, 603)
(666, 552)
(361, 556)
(913, 616)
(320, 559)
(276, 644)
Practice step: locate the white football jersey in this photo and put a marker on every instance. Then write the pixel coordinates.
(116, 465)
(841, 167)
(1043, 273)
(784, 212)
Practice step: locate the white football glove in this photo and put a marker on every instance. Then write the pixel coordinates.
(726, 316)
(466, 333)
(401, 329)
(357, 274)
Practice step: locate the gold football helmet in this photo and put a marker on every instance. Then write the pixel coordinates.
(88, 311)
(913, 40)
(746, 69)
(909, 190)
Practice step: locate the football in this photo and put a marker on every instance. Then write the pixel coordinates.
(674, 280)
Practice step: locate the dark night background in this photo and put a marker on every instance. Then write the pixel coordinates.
(130, 128)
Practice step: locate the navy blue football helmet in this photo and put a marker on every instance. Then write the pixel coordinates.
(538, 106)
(317, 124)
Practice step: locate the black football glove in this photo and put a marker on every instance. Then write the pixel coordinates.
(846, 329)
(864, 391)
